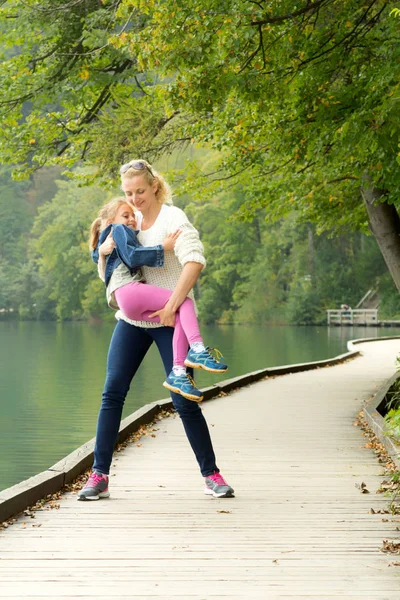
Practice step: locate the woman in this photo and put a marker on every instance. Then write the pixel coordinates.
(148, 192)
(126, 290)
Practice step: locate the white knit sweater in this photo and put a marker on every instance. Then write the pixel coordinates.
(188, 248)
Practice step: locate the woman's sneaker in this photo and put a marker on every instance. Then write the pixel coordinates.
(183, 385)
(217, 486)
(205, 360)
(95, 488)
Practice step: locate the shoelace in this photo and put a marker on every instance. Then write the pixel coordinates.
(186, 378)
(215, 353)
(191, 380)
(93, 480)
(217, 477)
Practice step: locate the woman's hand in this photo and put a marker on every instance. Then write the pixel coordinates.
(107, 246)
(167, 316)
(170, 240)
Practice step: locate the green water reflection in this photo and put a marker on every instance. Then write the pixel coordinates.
(51, 378)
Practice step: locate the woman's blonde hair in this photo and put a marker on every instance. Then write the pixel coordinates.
(105, 215)
(141, 167)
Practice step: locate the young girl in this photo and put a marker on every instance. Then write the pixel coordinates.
(126, 290)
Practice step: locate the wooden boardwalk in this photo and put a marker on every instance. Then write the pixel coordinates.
(298, 528)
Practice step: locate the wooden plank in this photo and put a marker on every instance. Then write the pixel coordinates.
(298, 528)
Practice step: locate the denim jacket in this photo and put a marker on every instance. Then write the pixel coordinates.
(128, 251)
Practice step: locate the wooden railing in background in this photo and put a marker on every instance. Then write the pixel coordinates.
(363, 316)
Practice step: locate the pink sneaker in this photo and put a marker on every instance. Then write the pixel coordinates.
(95, 488)
(217, 486)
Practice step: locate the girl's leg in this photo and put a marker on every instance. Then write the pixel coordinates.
(189, 322)
(128, 347)
(186, 331)
(138, 300)
(192, 416)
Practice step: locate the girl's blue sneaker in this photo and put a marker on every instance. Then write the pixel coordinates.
(183, 385)
(205, 360)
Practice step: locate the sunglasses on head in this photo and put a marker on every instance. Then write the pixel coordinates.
(138, 165)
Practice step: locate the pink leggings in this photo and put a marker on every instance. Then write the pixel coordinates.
(138, 300)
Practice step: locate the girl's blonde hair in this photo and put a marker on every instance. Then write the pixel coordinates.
(106, 215)
(163, 193)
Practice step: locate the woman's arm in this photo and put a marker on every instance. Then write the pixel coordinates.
(190, 253)
(186, 281)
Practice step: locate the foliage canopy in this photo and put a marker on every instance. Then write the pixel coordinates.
(296, 104)
(300, 99)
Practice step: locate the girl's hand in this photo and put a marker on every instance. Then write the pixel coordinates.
(107, 246)
(170, 240)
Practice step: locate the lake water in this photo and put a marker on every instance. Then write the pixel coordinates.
(52, 374)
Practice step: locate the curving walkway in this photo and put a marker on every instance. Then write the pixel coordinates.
(298, 528)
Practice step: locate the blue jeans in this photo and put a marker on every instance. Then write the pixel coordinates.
(128, 347)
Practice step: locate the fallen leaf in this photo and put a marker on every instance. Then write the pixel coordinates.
(362, 487)
(390, 547)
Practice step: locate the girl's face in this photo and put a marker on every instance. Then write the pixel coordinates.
(141, 194)
(124, 216)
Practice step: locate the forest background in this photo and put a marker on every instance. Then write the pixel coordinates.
(277, 124)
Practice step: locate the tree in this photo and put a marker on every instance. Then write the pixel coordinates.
(61, 234)
(15, 219)
(70, 85)
(298, 100)
(230, 247)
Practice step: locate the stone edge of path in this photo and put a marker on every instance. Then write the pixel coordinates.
(377, 423)
(371, 409)
(15, 499)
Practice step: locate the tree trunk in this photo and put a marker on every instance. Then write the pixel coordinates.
(384, 222)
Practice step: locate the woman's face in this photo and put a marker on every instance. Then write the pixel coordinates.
(125, 216)
(141, 194)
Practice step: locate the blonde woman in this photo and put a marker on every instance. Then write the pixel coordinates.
(126, 289)
(150, 196)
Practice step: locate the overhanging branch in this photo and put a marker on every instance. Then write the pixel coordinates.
(301, 11)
